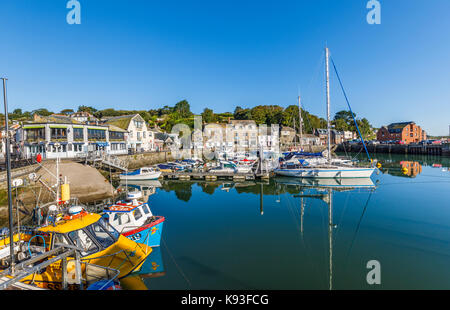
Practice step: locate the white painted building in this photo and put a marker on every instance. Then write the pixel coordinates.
(65, 140)
(139, 137)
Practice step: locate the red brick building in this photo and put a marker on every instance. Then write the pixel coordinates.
(407, 132)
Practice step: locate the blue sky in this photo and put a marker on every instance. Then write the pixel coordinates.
(220, 54)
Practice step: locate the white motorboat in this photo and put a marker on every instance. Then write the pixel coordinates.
(145, 173)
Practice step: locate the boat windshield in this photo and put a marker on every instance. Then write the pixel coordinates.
(82, 240)
(91, 237)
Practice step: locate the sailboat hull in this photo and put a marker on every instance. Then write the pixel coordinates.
(326, 173)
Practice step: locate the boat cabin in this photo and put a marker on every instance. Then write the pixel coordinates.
(88, 232)
(129, 213)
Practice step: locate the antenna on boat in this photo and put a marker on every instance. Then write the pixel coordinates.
(8, 174)
(328, 103)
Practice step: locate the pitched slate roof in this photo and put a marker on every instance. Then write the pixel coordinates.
(122, 121)
(398, 127)
(115, 128)
(55, 118)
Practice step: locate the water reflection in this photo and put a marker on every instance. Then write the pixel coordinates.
(409, 165)
(322, 189)
(306, 233)
(146, 187)
(404, 168)
(153, 267)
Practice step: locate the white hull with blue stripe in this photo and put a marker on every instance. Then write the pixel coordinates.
(326, 172)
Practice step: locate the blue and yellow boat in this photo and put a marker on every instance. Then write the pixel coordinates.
(96, 241)
(134, 220)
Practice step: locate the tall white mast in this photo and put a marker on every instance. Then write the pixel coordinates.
(328, 105)
(300, 122)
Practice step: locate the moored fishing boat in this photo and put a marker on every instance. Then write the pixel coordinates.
(144, 173)
(96, 241)
(134, 220)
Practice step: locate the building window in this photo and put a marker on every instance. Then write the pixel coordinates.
(78, 147)
(35, 134)
(58, 133)
(78, 134)
(115, 135)
(96, 134)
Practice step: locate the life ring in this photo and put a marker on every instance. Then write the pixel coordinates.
(71, 217)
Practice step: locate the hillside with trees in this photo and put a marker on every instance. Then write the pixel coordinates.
(168, 116)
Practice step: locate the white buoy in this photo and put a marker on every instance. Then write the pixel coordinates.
(75, 210)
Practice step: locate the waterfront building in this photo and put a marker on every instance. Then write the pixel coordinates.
(408, 132)
(309, 139)
(269, 138)
(349, 135)
(139, 138)
(63, 140)
(15, 142)
(244, 134)
(164, 141)
(197, 140)
(322, 134)
(287, 137)
(217, 137)
(117, 140)
(337, 136)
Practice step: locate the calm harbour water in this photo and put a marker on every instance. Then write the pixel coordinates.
(223, 235)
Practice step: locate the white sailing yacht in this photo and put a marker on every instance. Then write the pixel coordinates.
(330, 168)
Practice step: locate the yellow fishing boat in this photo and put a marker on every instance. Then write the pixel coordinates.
(97, 243)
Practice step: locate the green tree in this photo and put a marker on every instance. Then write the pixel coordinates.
(258, 114)
(83, 108)
(67, 111)
(208, 116)
(42, 112)
(183, 109)
(236, 111)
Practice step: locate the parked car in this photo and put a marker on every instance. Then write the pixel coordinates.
(373, 142)
(399, 142)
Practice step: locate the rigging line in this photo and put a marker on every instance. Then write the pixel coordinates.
(173, 259)
(357, 229)
(319, 64)
(292, 213)
(315, 74)
(306, 247)
(324, 234)
(348, 103)
(342, 214)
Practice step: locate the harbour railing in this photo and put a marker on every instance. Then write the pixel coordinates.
(63, 254)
